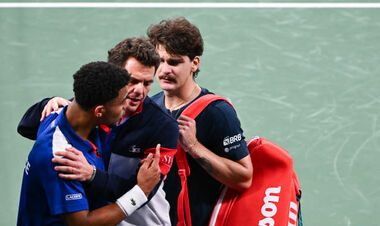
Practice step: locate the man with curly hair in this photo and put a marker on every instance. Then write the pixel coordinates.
(212, 161)
(143, 126)
(100, 94)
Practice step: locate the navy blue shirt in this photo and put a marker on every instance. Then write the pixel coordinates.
(129, 142)
(219, 130)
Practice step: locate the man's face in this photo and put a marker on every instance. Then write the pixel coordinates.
(139, 84)
(116, 108)
(174, 70)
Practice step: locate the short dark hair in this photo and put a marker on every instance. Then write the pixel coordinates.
(178, 36)
(139, 48)
(97, 83)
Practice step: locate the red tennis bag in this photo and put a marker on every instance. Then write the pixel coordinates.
(272, 199)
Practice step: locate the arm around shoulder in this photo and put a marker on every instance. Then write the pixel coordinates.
(28, 126)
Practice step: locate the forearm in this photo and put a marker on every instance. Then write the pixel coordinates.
(111, 214)
(234, 174)
(108, 215)
(110, 186)
(28, 126)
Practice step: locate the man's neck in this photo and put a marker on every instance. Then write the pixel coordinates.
(80, 120)
(179, 98)
(125, 116)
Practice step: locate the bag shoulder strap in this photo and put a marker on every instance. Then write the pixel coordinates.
(192, 111)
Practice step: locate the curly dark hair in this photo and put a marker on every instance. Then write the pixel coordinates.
(139, 48)
(178, 36)
(96, 83)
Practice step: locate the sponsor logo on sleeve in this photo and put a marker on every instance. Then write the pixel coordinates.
(167, 159)
(230, 140)
(70, 197)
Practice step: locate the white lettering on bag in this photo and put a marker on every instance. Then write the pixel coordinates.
(293, 212)
(269, 209)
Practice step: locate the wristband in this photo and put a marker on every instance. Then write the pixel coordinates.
(93, 174)
(132, 200)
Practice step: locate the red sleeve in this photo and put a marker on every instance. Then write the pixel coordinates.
(166, 158)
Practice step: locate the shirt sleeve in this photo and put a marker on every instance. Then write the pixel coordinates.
(63, 196)
(220, 131)
(110, 186)
(166, 134)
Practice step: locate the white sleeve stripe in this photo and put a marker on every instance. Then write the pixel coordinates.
(59, 142)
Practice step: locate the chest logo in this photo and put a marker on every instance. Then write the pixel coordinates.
(134, 149)
(73, 196)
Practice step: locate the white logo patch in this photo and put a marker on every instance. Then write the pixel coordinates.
(73, 196)
(230, 140)
(27, 167)
(232, 148)
(134, 149)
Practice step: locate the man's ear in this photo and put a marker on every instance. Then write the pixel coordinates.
(99, 111)
(195, 63)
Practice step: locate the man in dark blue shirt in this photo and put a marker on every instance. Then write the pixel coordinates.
(216, 151)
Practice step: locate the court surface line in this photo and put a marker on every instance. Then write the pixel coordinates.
(182, 5)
